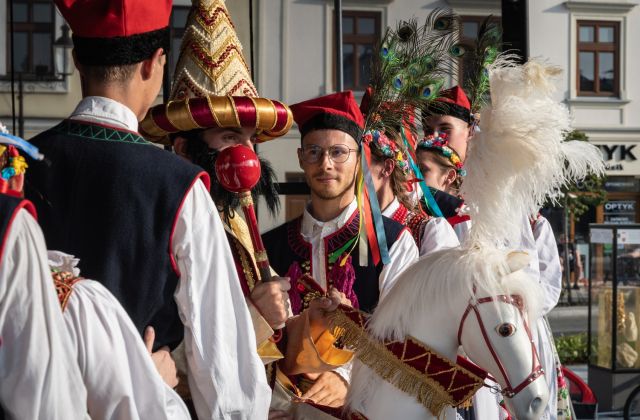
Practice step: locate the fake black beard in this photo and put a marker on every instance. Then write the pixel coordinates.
(228, 202)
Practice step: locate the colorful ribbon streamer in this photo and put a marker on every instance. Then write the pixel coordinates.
(432, 206)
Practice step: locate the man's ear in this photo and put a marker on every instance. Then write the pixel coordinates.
(180, 147)
(152, 64)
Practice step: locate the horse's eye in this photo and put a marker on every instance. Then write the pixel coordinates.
(506, 330)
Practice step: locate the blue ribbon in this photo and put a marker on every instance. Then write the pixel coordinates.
(21, 144)
(426, 191)
(376, 214)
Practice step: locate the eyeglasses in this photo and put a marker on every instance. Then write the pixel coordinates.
(338, 153)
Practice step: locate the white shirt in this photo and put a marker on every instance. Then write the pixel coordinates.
(39, 377)
(129, 385)
(551, 283)
(402, 253)
(226, 376)
(437, 235)
(549, 263)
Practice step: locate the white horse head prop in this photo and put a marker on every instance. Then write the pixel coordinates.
(478, 298)
(502, 322)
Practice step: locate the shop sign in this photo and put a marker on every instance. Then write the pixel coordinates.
(622, 158)
(622, 184)
(619, 212)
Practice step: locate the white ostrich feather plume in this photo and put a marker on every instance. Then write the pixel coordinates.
(518, 158)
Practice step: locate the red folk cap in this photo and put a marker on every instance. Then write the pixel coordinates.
(338, 111)
(110, 32)
(452, 102)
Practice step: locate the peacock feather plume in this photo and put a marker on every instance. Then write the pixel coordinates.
(479, 56)
(409, 70)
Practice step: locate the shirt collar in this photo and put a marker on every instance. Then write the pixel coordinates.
(107, 111)
(310, 225)
(391, 208)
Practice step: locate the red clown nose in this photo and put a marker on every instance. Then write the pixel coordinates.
(238, 168)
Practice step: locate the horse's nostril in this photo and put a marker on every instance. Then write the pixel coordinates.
(536, 404)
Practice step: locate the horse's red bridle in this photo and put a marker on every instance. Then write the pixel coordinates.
(536, 368)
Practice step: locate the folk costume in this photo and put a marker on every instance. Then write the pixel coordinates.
(40, 377)
(453, 102)
(129, 386)
(142, 222)
(213, 87)
(317, 255)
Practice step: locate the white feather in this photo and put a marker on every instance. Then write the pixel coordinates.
(518, 158)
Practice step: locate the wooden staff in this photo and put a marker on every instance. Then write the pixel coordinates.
(238, 170)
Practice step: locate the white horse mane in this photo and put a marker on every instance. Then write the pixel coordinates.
(445, 276)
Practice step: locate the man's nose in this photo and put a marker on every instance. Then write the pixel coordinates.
(325, 160)
(248, 143)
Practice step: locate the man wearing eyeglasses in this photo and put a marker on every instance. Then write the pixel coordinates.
(323, 242)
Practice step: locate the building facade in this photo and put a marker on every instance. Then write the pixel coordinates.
(293, 56)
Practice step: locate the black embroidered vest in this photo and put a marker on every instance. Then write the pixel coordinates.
(290, 255)
(111, 199)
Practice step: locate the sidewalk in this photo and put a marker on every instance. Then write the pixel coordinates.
(566, 319)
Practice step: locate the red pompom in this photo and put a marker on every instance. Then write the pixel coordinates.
(238, 168)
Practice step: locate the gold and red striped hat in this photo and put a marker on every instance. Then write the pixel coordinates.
(212, 85)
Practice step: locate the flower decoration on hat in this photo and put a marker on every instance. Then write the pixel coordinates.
(388, 148)
(12, 164)
(440, 143)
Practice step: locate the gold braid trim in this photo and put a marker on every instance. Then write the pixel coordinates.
(373, 353)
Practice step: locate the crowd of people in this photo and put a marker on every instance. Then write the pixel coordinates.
(129, 284)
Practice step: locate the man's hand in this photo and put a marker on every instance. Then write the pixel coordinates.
(330, 390)
(165, 365)
(272, 300)
(319, 307)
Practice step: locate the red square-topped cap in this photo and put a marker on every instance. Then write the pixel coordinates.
(452, 102)
(337, 111)
(117, 32)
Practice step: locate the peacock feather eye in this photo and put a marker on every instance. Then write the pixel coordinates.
(443, 23)
(385, 51)
(398, 82)
(414, 70)
(429, 91)
(457, 50)
(405, 33)
(428, 63)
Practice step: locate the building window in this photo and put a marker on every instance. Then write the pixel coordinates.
(179, 15)
(469, 26)
(33, 37)
(360, 34)
(598, 56)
